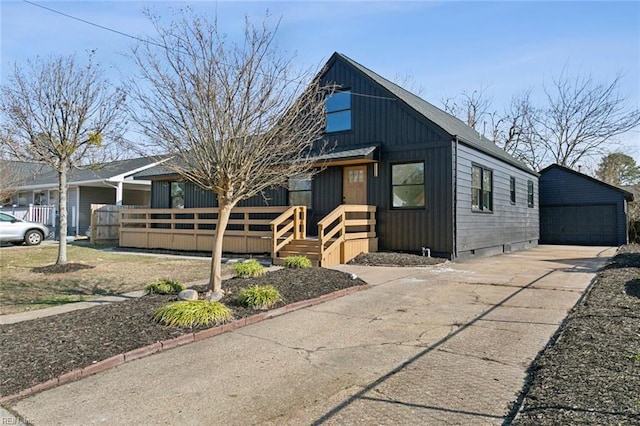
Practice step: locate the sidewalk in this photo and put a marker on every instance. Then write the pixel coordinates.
(443, 344)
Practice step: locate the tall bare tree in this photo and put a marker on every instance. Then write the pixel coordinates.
(236, 116)
(581, 119)
(513, 132)
(474, 108)
(62, 113)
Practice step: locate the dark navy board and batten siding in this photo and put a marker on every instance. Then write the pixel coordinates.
(576, 209)
(508, 226)
(403, 135)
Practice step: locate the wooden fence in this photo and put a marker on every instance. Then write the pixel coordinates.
(193, 229)
(105, 223)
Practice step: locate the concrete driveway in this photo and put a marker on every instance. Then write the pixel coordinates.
(448, 344)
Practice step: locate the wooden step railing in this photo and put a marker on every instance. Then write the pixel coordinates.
(290, 225)
(337, 227)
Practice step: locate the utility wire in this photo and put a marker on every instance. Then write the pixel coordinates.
(153, 43)
(100, 26)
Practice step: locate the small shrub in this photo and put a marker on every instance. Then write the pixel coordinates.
(192, 313)
(259, 297)
(248, 269)
(299, 262)
(164, 287)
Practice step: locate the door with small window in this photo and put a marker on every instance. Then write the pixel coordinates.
(354, 185)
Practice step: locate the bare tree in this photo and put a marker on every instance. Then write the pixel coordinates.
(473, 108)
(10, 179)
(407, 81)
(235, 116)
(581, 119)
(618, 169)
(61, 113)
(512, 131)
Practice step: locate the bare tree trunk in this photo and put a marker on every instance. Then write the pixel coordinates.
(62, 208)
(215, 280)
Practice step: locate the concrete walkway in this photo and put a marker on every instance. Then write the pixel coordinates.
(448, 344)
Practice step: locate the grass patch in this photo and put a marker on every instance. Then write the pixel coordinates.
(193, 313)
(164, 287)
(26, 279)
(248, 269)
(59, 300)
(259, 297)
(299, 262)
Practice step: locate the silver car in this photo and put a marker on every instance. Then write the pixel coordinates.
(17, 231)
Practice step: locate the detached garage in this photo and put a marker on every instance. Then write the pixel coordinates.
(578, 209)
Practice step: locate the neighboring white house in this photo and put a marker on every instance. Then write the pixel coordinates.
(36, 188)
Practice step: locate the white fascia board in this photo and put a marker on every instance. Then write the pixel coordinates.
(123, 176)
(36, 187)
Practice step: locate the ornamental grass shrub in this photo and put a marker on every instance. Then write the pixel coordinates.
(298, 262)
(259, 297)
(193, 313)
(164, 287)
(248, 269)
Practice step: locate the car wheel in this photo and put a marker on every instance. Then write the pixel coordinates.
(33, 238)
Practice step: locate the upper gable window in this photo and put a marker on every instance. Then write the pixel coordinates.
(338, 111)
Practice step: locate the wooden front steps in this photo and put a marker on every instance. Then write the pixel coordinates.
(309, 248)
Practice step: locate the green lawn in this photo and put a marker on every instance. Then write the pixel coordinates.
(26, 282)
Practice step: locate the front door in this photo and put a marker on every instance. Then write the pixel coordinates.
(354, 185)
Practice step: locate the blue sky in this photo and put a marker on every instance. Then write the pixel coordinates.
(505, 47)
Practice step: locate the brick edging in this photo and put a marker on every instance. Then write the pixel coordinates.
(163, 345)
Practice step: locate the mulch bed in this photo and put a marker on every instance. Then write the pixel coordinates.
(35, 351)
(591, 374)
(394, 259)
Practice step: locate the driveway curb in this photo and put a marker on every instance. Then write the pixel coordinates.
(184, 339)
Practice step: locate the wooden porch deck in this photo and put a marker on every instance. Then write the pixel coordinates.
(280, 231)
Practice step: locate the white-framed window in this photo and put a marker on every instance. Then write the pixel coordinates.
(530, 193)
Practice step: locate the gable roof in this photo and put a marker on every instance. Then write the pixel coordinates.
(447, 122)
(42, 175)
(627, 195)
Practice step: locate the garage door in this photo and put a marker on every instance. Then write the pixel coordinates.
(582, 225)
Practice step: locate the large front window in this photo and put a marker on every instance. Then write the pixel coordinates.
(177, 195)
(407, 185)
(481, 189)
(338, 107)
(300, 191)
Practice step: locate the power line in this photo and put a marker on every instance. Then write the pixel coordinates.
(153, 43)
(99, 26)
